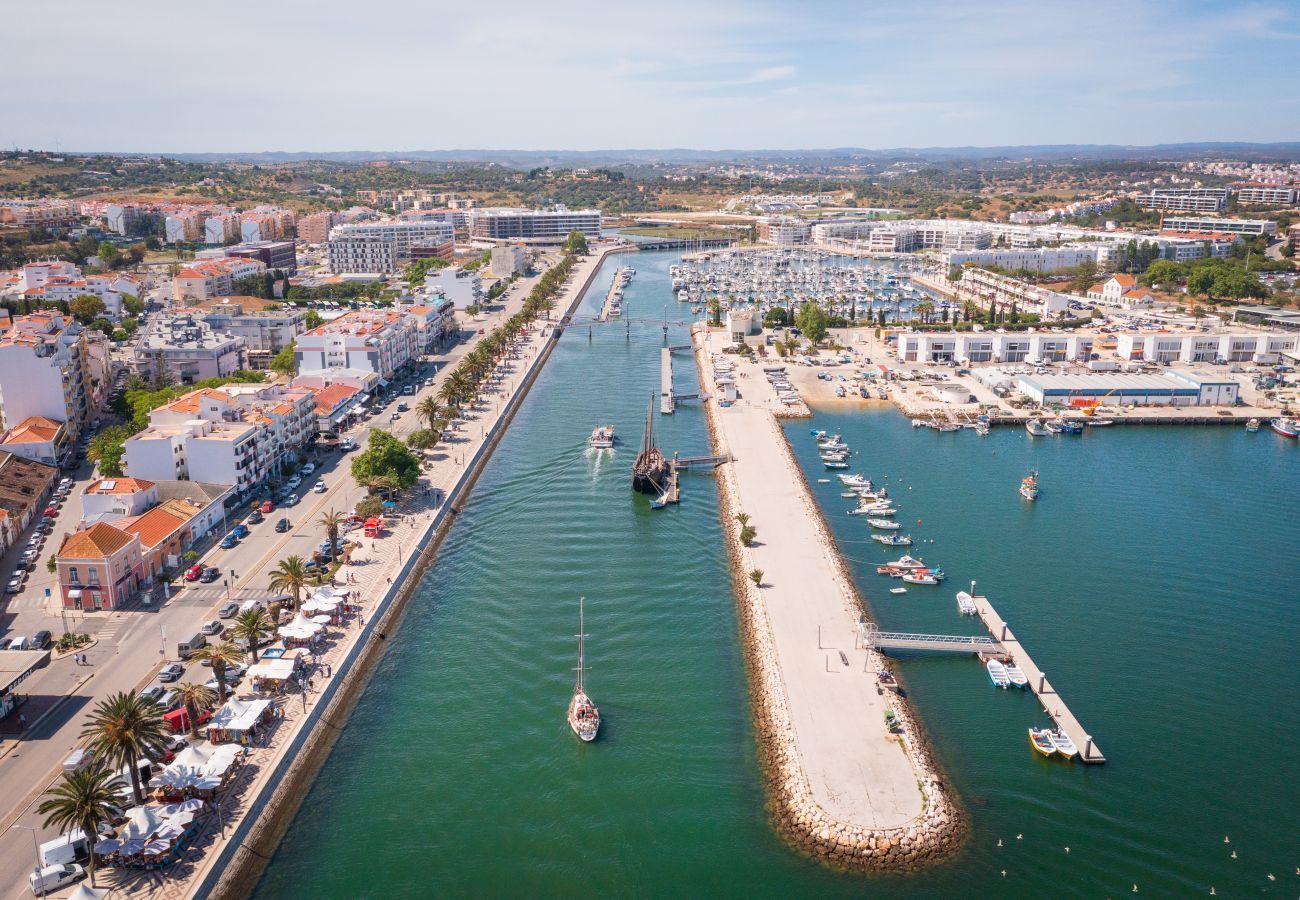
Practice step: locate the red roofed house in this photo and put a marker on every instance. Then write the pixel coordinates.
(36, 438)
(98, 568)
(1112, 289)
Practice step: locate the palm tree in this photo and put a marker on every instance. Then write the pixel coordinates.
(252, 625)
(86, 798)
(376, 483)
(221, 656)
(195, 697)
(124, 729)
(756, 576)
(332, 521)
(429, 410)
(925, 308)
(291, 573)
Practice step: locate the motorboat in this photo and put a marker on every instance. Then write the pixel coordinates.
(966, 604)
(982, 429)
(1252, 426)
(1017, 675)
(1100, 423)
(1071, 426)
(832, 446)
(584, 717)
(1036, 428)
(884, 510)
(893, 540)
(898, 590)
(1061, 741)
(835, 464)
(1286, 427)
(998, 673)
(920, 579)
(1041, 740)
(1029, 486)
(1054, 426)
(906, 562)
(948, 426)
(602, 437)
(887, 524)
(860, 511)
(855, 480)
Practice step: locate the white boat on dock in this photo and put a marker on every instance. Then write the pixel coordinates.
(1016, 675)
(1061, 741)
(966, 604)
(998, 673)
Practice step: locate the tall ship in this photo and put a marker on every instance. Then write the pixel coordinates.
(584, 718)
(1029, 486)
(650, 470)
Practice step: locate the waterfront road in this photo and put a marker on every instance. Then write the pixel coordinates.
(131, 645)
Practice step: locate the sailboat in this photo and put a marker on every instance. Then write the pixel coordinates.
(584, 718)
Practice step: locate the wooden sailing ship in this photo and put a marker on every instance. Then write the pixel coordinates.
(584, 718)
(650, 469)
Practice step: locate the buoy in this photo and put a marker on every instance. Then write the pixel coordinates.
(999, 842)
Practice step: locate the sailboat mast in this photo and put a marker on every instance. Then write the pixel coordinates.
(581, 635)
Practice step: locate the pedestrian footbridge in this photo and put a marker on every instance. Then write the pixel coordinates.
(949, 643)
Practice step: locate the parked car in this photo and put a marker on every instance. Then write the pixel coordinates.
(51, 511)
(240, 530)
(193, 572)
(5, 642)
(266, 507)
(229, 541)
(210, 574)
(291, 499)
(308, 469)
(293, 482)
(42, 639)
(16, 583)
(228, 610)
(212, 626)
(319, 487)
(255, 517)
(282, 526)
(171, 672)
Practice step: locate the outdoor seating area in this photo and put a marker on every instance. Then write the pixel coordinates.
(240, 721)
(152, 836)
(197, 772)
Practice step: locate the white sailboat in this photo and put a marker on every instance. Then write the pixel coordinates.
(584, 718)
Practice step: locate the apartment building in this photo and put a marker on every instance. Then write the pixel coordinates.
(183, 227)
(434, 321)
(1184, 199)
(533, 226)
(991, 347)
(207, 278)
(366, 340)
(38, 439)
(186, 348)
(1263, 348)
(362, 254)
(463, 289)
(45, 372)
(1173, 224)
(129, 220)
(274, 255)
(1272, 194)
(988, 288)
(1038, 259)
(264, 326)
(403, 235)
(315, 228)
(239, 435)
(221, 228)
(38, 213)
(508, 259)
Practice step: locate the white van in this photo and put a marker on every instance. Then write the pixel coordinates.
(66, 848)
(76, 760)
(190, 644)
(51, 878)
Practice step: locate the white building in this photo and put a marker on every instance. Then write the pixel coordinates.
(362, 254)
(988, 287)
(508, 259)
(187, 348)
(404, 235)
(364, 340)
(1275, 194)
(1038, 259)
(1213, 224)
(1163, 389)
(221, 229)
(992, 347)
(1264, 348)
(783, 231)
(539, 226)
(44, 372)
(462, 288)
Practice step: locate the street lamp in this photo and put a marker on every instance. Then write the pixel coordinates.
(36, 847)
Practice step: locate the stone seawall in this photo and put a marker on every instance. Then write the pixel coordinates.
(934, 836)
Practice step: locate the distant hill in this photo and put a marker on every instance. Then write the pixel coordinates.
(1289, 150)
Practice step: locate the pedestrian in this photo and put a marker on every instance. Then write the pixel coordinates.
(22, 721)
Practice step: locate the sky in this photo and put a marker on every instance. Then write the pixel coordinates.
(393, 75)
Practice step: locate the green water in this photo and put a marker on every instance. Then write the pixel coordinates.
(1155, 581)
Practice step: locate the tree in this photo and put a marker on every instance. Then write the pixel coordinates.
(221, 656)
(385, 455)
(109, 254)
(429, 411)
(195, 698)
(1163, 272)
(415, 272)
(925, 309)
(1200, 281)
(86, 308)
(124, 729)
(1085, 273)
(290, 574)
(747, 534)
(312, 319)
(423, 439)
(332, 522)
(285, 362)
(776, 317)
(812, 322)
(132, 304)
(251, 286)
(756, 576)
(576, 243)
(87, 798)
(252, 626)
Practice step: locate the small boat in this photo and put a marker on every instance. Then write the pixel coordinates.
(848, 494)
(886, 678)
(919, 423)
(1036, 428)
(584, 718)
(823, 481)
(817, 432)
(906, 562)
(659, 502)
(1252, 426)
(1054, 426)
(602, 437)
(1061, 741)
(1100, 423)
(832, 446)
(1071, 426)
(860, 511)
(884, 510)
(893, 540)
(997, 673)
(1017, 675)
(887, 524)
(982, 429)
(965, 604)
(1286, 427)
(920, 579)
(835, 464)
(1029, 486)
(855, 480)
(1041, 740)
(948, 426)
(898, 590)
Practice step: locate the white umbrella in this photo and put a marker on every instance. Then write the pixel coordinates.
(131, 847)
(107, 846)
(156, 848)
(169, 832)
(321, 620)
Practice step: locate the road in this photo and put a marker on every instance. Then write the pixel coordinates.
(133, 644)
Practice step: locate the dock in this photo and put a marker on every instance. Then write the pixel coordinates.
(667, 401)
(615, 290)
(1053, 705)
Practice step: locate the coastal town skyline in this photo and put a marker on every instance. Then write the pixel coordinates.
(721, 76)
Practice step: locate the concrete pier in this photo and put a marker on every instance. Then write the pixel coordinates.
(667, 400)
(1053, 705)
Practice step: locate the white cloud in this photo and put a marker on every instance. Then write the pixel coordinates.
(771, 73)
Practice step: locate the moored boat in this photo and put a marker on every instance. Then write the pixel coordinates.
(1017, 675)
(1054, 426)
(1286, 427)
(893, 540)
(898, 590)
(1041, 740)
(1061, 741)
(1252, 426)
(887, 524)
(835, 464)
(997, 673)
(965, 604)
(1036, 428)
(918, 578)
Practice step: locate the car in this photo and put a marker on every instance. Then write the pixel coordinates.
(282, 526)
(16, 583)
(50, 511)
(42, 639)
(210, 574)
(319, 487)
(240, 530)
(193, 572)
(393, 417)
(325, 546)
(255, 517)
(5, 642)
(291, 499)
(228, 611)
(169, 700)
(176, 743)
(266, 507)
(308, 469)
(347, 445)
(212, 626)
(228, 541)
(53, 878)
(403, 407)
(293, 482)
(171, 672)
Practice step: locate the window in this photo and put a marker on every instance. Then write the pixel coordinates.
(72, 575)
(92, 574)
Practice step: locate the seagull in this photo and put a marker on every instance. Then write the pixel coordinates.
(1212, 893)
(1272, 877)
(1135, 888)
(1004, 873)
(1067, 849)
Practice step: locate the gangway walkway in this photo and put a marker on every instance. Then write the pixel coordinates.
(950, 643)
